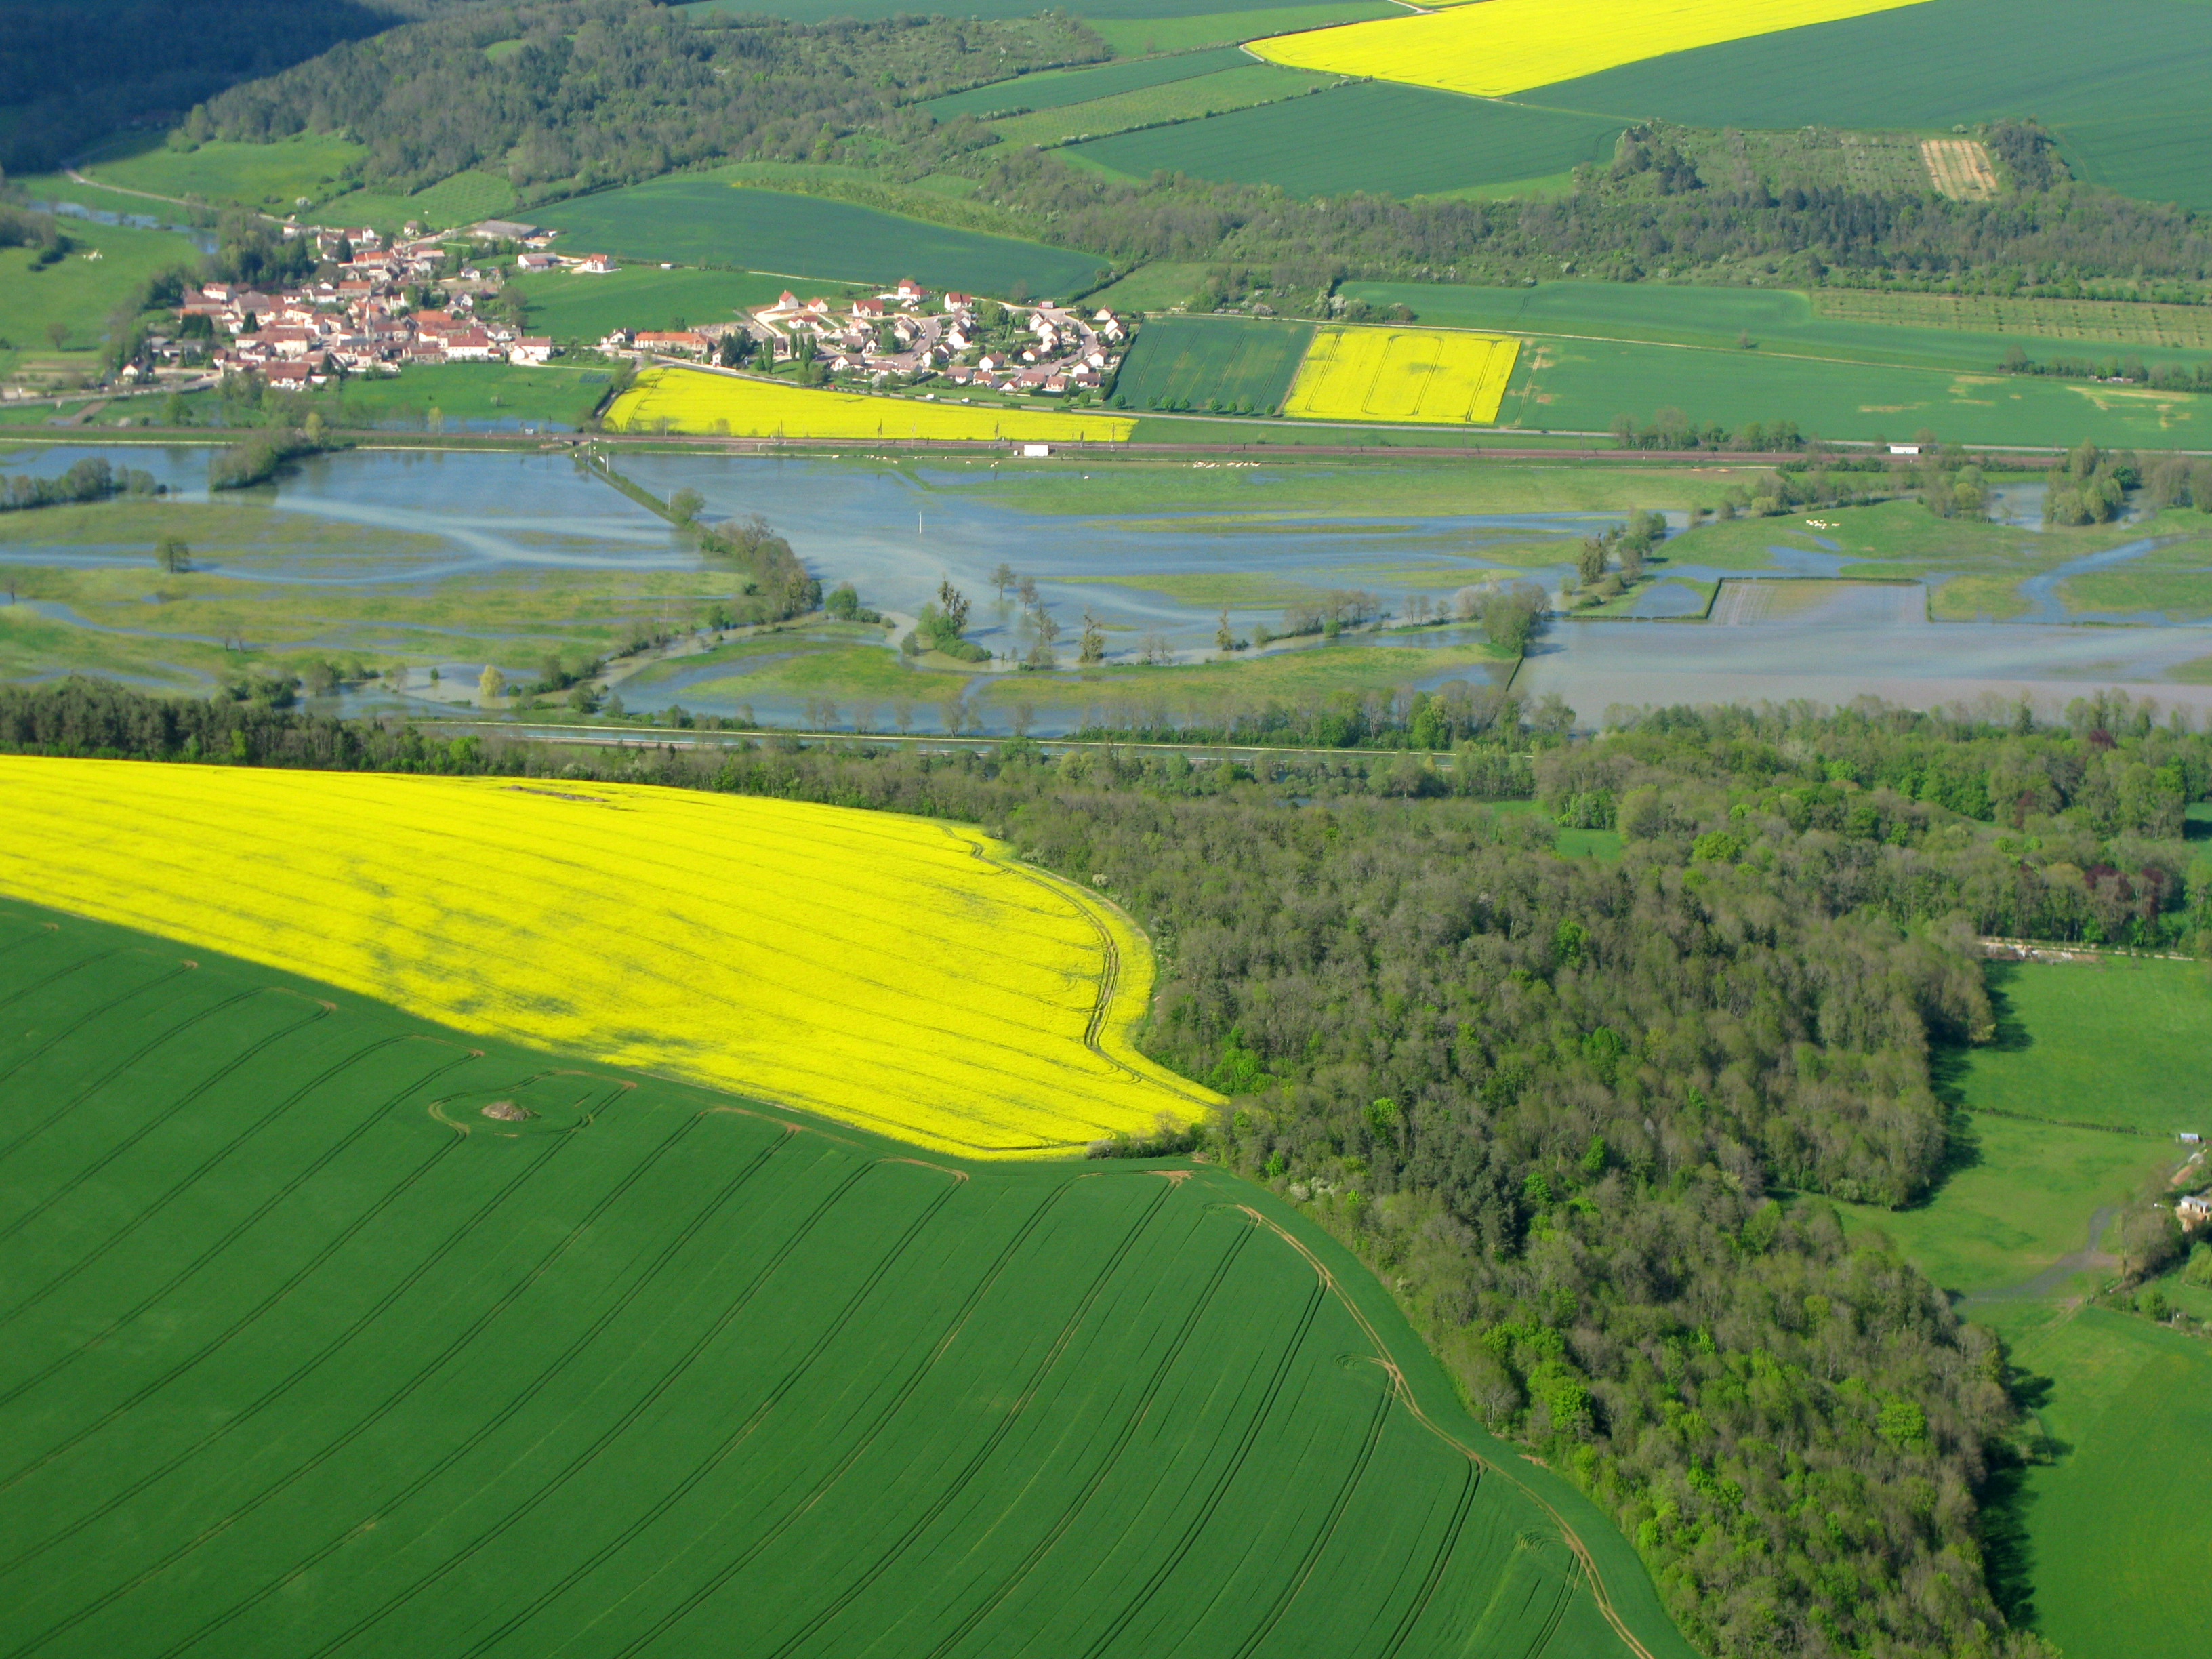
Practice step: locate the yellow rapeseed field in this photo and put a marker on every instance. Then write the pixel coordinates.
(895, 973)
(1512, 46)
(692, 400)
(1426, 374)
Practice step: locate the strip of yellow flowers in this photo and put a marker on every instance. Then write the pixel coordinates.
(1516, 46)
(901, 974)
(740, 406)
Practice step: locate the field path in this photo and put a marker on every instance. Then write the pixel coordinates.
(2052, 1279)
(123, 190)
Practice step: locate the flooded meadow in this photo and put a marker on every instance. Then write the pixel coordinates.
(422, 567)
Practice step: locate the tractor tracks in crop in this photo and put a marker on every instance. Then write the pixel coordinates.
(1109, 981)
(1599, 1595)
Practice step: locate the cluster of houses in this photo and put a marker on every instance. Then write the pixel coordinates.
(361, 323)
(899, 334)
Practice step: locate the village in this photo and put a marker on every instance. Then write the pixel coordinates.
(397, 304)
(1042, 349)
(364, 322)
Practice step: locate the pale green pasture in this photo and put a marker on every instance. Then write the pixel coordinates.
(1361, 486)
(2019, 1198)
(273, 175)
(1301, 676)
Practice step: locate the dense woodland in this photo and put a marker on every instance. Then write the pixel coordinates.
(602, 92)
(1584, 1115)
(73, 71)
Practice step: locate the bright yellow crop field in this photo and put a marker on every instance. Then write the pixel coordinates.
(1432, 376)
(892, 972)
(690, 400)
(1511, 46)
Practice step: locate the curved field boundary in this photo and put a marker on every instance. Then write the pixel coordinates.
(1384, 1357)
(1120, 1008)
(634, 1366)
(1051, 1536)
(849, 964)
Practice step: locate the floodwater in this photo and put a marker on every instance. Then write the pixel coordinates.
(1771, 642)
(396, 522)
(896, 532)
(203, 240)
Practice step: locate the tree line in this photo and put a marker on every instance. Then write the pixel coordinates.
(92, 479)
(2160, 377)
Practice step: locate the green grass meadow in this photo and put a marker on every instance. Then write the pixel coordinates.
(2018, 1197)
(1154, 287)
(273, 175)
(79, 291)
(2115, 1044)
(305, 1350)
(704, 221)
(1175, 101)
(569, 306)
(1223, 360)
(2114, 1523)
(460, 200)
(475, 392)
(1582, 386)
(1374, 137)
(2106, 1042)
(2088, 1540)
(1056, 89)
(1784, 322)
(60, 187)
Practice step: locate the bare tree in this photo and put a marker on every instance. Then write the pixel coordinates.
(1041, 654)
